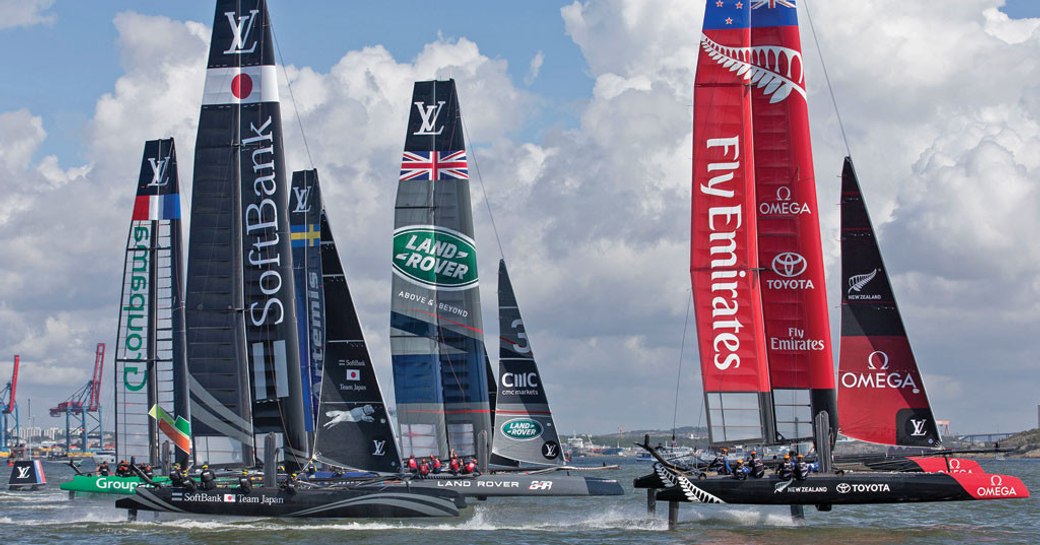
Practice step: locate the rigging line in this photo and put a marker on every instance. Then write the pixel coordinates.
(827, 78)
(682, 348)
(292, 97)
(483, 188)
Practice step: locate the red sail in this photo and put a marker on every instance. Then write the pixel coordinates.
(882, 395)
(794, 298)
(723, 253)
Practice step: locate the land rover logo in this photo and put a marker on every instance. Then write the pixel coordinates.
(522, 429)
(843, 488)
(435, 257)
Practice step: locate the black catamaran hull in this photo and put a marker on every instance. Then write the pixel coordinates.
(527, 485)
(353, 502)
(847, 489)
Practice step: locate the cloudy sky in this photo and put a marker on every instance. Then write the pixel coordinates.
(579, 118)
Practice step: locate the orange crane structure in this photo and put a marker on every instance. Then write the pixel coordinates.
(85, 404)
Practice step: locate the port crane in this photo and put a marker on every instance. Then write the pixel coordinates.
(9, 433)
(85, 404)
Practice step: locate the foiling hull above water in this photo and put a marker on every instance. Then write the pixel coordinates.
(846, 489)
(333, 502)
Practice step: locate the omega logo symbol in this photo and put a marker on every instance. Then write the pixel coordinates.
(877, 360)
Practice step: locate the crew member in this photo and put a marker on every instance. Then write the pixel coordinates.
(424, 468)
(147, 470)
(176, 475)
(801, 469)
(756, 467)
(244, 483)
(102, 469)
(208, 478)
(740, 472)
(413, 466)
(786, 469)
(471, 467)
(721, 463)
(290, 483)
(454, 465)
(435, 464)
(123, 469)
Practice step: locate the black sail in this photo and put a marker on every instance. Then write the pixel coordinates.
(525, 433)
(305, 207)
(354, 430)
(436, 337)
(243, 352)
(149, 364)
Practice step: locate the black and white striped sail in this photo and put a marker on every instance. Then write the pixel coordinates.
(243, 353)
(354, 430)
(525, 433)
(436, 333)
(149, 363)
(305, 208)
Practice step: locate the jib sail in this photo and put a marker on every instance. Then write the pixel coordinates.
(881, 393)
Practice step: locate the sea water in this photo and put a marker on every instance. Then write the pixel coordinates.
(48, 517)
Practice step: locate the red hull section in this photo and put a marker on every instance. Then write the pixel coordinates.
(940, 464)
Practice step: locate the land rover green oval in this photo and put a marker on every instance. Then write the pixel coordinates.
(522, 429)
(435, 257)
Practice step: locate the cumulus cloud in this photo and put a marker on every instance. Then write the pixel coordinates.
(16, 13)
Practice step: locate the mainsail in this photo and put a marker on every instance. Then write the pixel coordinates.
(436, 336)
(882, 397)
(724, 252)
(150, 365)
(305, 208)
(525, 433)
(243, 353)
(798, 343)
(354, 429)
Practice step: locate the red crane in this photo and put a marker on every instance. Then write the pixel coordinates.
(85, 403)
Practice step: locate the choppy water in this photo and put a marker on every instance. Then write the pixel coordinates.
(49, 518)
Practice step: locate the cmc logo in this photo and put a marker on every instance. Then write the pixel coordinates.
(789, 264)
(520, 380)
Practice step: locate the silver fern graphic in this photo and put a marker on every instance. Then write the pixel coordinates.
(691, 491)
(857, 281)
(774, 69)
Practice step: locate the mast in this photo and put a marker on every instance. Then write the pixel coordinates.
(243, 350)
(882, 397)
(723, 249)
(436, 332)
(354, 429)
(149, 362)
(798, 343)
(525, 433)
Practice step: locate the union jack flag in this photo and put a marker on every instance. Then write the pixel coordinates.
(772, 3)
(434, 165)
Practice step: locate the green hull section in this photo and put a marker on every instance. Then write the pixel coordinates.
(106, 485)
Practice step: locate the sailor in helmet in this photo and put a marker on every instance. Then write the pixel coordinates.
(208, 478)
(721, 463)
(801, 469)
(786, 469)
(756, 467)
(244, 483)
(740, 472)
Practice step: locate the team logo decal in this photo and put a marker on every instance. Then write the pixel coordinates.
(435, 257)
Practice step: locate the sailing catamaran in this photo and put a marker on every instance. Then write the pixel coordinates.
(764, 344)
(245, 372)
(150, 367)
(442, 375)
